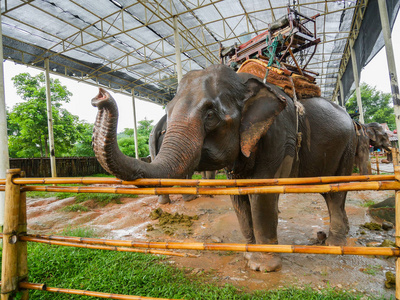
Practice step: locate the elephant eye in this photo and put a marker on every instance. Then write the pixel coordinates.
(211, 120)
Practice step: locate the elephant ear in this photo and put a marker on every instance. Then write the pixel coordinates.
(262, 106)
(371, 134)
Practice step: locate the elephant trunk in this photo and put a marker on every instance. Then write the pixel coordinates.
(175, 159)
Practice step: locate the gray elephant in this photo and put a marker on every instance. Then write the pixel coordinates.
(221, 119)
(378, 138)
(369, 134)
(155, 141)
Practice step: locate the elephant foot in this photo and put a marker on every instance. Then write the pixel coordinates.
(336, 240)
(263, 262)
(164, 199)
(188, 198)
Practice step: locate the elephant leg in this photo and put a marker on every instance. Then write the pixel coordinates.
(241, 204)
(164, 199)
(264, 211)
(339, 224)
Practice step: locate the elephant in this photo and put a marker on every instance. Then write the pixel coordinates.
(223, 119)
(378, 138)
(155, 141)
(369, 134)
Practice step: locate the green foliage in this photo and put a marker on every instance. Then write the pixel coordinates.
(377, 106)
(126, 141)
(27, 121)
(84, 145)
(139, 274)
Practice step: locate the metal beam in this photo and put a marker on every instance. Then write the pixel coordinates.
(50, 121)
(135, 125)
(4, 159)
(356, 81)
(392, 68)
(177, 49)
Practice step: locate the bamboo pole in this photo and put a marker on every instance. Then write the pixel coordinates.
(22, 245)
(9, 274)
(285, 189)
(203, 182)
(377, 163)
(394, 157)
(43, 287)
(100, 247)
(338, 250)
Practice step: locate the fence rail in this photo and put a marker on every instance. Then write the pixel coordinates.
(14, 272)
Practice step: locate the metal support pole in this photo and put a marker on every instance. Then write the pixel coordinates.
(391, 63)
(50, 121)
(357, 81)
(177, 49)
(135, 125)
(341, 93)
(4, 159)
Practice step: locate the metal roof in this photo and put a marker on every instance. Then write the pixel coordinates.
(125, 45)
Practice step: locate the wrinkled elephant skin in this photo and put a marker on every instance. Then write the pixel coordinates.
(220, 119)
(155, 141)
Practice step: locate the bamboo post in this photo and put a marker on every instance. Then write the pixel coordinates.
(395, 160)
(9, 274)
(397, 234)
(377, 163)
(22, 246)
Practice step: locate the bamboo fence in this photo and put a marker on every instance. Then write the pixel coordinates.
(15, 234)
(96, 246)
(276, 189)
(43, 287)
(201, 182)
(337, 250)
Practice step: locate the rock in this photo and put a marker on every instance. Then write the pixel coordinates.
(216, 239)
(387, 225)
(373, 244)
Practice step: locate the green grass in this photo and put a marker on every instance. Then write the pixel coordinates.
(74, 208)
(102, 199)
(367, 203)
(372, 270)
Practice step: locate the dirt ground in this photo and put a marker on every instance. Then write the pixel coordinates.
(301, 217)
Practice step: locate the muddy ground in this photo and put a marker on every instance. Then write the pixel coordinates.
(301, 217)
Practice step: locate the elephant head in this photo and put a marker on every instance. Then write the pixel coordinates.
(378, 136)
(215, 117)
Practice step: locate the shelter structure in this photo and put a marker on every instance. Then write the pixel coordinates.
(142, 48)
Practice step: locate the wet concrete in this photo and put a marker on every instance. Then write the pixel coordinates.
(301, 217)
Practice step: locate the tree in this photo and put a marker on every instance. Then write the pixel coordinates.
(377, 106)
(126, 141)
(84, 145)
(27, 121)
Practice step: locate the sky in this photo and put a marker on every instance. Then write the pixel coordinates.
(375, 74)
